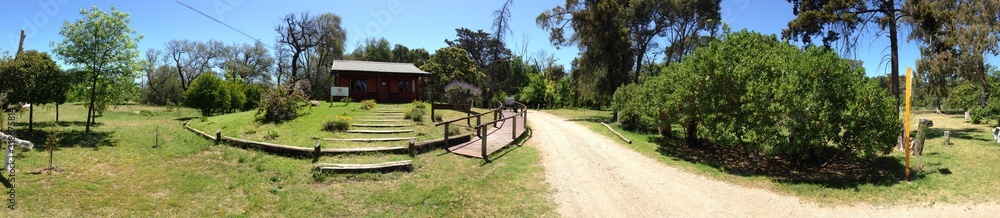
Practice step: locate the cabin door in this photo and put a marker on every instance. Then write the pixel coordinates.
(383, 90)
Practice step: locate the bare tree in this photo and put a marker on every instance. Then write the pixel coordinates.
(179, 53)
(250, 63)
(299, 33)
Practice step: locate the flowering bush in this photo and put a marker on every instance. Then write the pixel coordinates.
(459, 92)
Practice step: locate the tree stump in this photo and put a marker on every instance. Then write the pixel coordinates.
(947, 137)
(918, 144)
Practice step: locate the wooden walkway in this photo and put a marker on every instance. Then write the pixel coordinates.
(496, 138)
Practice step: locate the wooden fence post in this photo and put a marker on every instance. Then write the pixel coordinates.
(316, 152)
(483, 138)
(218, 137)
(446, 130)
(513, 134)
(412, 146)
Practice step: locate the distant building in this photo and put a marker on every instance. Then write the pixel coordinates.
(385, 82)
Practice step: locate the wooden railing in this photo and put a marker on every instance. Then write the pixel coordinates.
(482, 129)
(478, 117)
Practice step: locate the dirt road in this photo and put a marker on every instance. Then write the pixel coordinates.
(595, 176)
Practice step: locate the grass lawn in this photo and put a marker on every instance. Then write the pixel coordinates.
(304, 130)
(118, 172)
(963, 172)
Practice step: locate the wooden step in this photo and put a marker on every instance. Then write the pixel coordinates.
(370, 140)
(405, 165)
(388, 112)
(382, 121)
(380, 125)
(381, 117)
(362, 150)
(370, 131)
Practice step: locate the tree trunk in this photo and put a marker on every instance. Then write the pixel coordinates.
(93, 97)
(937, 104)
(638, 66)
(983, 84)
(20, 45)
(51, 149)
(57, 114)
(894, 50)
(31, 118)
(692, 133)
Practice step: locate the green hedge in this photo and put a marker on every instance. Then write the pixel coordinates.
(766, 96)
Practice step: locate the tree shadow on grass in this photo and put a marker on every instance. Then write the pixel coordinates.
(963, 133)
(831, 171)
(185, 118)
(592, 119)
(72, 138)
(47, 124)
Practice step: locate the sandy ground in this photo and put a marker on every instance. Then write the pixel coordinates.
(595, 176)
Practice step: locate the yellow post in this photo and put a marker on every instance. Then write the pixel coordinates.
(906, 124)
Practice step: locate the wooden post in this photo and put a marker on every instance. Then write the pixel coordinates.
(906, 123)
(483, 138)
(513, 134)
(446, 136)
(316, 152)
(413, 152)
(479, 120)
(218, 136)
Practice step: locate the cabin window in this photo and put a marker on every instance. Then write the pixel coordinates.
(404, 86)
(359, 85)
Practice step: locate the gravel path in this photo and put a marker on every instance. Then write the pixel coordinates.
(595, 176)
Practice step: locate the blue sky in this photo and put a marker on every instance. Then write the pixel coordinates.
(416, 24)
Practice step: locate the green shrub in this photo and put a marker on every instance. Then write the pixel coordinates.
(338, 123)
(965, 97)
(368, 104)
(346, 100)
(237, 98)
(271, 135)
(147, 113)
(415, 114)
(253, 95)
(281, 104)
(452, 130)
(438, 118)
(631, 113)
(206, 94)
(765, 96)
(419, 104)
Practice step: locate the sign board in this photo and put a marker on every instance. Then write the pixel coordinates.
(339, 91)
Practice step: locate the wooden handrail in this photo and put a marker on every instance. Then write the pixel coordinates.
(499, 107)
(477, 116)
(522, 113)
(481, 129)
